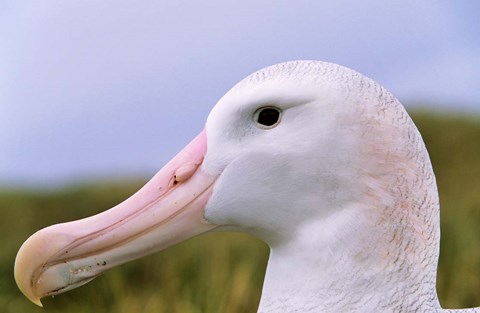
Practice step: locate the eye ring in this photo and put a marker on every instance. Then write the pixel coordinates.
(267, 117)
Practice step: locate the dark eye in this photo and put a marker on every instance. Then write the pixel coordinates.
(267, 117)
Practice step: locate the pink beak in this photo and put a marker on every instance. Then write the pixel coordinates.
(166, 211)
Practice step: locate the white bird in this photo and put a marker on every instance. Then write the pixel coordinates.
(320, 162)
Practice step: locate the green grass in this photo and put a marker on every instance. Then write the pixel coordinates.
(222, 272)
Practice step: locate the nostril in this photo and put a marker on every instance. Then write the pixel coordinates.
(184, 172)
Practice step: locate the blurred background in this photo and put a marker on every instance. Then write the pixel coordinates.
(95, 96)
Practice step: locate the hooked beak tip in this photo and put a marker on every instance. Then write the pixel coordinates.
(37, 302)
(23, 278)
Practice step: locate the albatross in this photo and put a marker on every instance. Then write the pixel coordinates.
(317, 160)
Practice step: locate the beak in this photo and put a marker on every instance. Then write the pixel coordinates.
(166, 211)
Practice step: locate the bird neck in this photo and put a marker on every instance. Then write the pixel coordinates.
(349, 262)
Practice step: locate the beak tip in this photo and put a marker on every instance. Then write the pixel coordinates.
(27, 291)
(26, 288)
(37, 302)
(26, 261)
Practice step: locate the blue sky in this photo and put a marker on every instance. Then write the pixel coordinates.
(94, 89)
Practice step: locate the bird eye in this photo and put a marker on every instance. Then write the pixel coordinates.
(267, 117)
